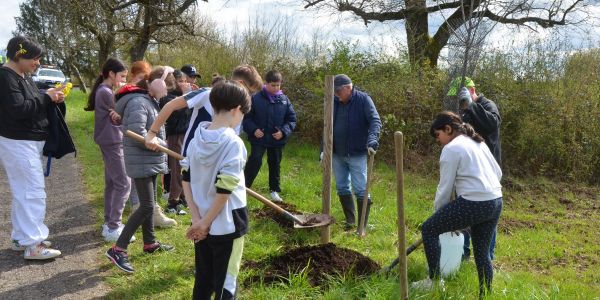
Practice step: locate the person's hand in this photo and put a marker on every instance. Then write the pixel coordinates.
(151, 141)
(278, 135)
(259, 133)
(56, 94)
(197, 231)
(464, 98)
(371, 151)
(455, 233)
(185, 87)
(114, 116)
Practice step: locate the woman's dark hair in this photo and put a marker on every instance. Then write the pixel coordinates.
(448, 118)
(110, 65)
(273, 76)
(250, 77)
(22, 47)
(228, 95)
(216, 79)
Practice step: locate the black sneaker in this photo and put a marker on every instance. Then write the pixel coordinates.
(158, 247)
(178, 208)
(119, 259)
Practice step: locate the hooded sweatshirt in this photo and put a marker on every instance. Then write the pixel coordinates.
(217, 158)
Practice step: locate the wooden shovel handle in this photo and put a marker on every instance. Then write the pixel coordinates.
(141, 139)
(252, 193)
(272, 205)
(361, 226)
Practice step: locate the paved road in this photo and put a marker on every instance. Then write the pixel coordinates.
(69, 215)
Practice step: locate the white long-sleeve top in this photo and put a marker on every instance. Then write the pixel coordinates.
(470, 168)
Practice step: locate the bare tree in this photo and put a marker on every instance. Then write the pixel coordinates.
(424, 48)
(72, 51)
(156, 21)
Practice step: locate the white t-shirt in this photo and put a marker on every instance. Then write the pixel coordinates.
(470, 168)
(197, 100)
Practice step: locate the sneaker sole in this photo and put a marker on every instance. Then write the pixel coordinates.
(159, 250)
(42, 257)
(114, 262)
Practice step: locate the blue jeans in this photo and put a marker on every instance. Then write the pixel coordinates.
(350, 170)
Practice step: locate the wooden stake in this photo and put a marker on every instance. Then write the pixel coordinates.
(327, 153)
(399, 143)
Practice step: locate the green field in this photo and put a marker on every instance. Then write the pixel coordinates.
(548, 243)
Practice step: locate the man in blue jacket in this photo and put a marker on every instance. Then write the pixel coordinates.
(269, 125)
(356, 127)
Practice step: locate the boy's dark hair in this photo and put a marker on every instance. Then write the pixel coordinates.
(110, 65)
(228, 95)
(177, 74)
(216, 79)
(273, 76)
(448, 118)
(22, 47)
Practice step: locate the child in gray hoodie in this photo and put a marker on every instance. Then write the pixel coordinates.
(138, 107)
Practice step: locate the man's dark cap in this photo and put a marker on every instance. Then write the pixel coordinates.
(341, 80)
(190, 71)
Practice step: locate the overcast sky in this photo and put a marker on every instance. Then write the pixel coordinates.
(229, 13)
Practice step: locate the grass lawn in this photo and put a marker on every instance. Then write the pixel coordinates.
(548, 243)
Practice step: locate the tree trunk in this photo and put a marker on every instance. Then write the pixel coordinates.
(417, 31)
(142, 40)
(82, 86)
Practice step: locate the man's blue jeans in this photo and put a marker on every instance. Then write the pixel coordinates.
(350, 170)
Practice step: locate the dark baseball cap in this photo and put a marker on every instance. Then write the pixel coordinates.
(341, 80)
(190, 71)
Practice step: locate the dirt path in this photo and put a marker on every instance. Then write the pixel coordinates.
(74, 275)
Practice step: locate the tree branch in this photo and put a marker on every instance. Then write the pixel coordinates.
(312, 3)
(544, 23)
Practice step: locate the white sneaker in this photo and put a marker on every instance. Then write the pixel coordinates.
(427, 284)
(18, 247)
(39, 252)
(112, 235)
(275, 197)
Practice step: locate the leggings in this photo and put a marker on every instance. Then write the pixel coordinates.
(481, 216)
(146, 188)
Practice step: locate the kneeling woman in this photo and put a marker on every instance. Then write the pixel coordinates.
(467, 165)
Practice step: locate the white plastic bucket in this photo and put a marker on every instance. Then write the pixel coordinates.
(452, 251)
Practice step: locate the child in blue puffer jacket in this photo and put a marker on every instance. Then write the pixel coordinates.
(269, 126)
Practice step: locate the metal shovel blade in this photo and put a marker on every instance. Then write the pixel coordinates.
(313, 220)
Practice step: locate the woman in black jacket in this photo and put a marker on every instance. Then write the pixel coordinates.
(23, 131)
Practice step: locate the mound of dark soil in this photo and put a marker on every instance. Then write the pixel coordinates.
(269, 213)
(320, 261)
